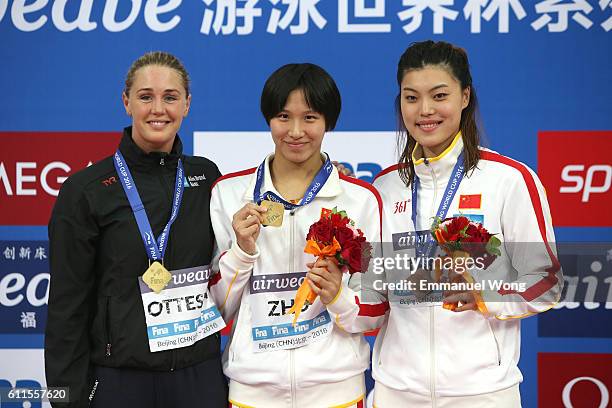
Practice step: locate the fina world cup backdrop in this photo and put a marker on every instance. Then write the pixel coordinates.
(542, 71)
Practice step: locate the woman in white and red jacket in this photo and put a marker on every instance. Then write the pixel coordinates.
(425, 355)
(271, 363)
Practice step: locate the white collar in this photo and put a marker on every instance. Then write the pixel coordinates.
(331, 188)
(439, 167)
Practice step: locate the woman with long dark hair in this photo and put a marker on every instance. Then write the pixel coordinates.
(465, 354)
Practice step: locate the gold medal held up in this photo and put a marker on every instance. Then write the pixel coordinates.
(274, 216)
(156, 277)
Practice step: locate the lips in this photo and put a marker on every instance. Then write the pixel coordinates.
(295, 145)
(428, 126)
(158, 124)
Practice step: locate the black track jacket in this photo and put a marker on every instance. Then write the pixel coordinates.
(97, 254)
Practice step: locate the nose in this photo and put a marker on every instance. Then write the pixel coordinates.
(295, 130)
(427, 107)
(157, 106)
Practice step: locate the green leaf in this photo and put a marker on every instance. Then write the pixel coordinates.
(493, 246)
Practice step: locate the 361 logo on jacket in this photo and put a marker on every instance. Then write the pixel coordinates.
(576, 170)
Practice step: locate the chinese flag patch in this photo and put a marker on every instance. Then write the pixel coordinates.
(470, 201)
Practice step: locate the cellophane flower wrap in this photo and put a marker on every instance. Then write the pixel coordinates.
(334, 236)
(459, 237)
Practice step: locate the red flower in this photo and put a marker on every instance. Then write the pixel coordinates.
(343, 234)
(321, 231)
(354, 249)
(351, 254)
(338, 220)
(451, 228)
(459, 233)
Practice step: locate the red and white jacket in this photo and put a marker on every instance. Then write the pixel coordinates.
(327, 372)
(434, 352)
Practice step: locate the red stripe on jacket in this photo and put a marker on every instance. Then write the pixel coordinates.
(235, 174)
(372, 310)
(551, 280)
(386, 171)
(217, 276)
(373, 190)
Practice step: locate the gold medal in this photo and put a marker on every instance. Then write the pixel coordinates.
(156, 277)
(274, 216)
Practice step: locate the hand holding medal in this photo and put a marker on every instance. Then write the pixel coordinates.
(246, 224)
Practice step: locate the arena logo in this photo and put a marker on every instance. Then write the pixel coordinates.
(577, 186)
(31, 176)
(574, 380)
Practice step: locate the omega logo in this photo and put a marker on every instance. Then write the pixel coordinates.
(567, 391)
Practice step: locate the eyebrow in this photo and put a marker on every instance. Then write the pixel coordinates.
(151, 89)
(305, 112)
(406, 88)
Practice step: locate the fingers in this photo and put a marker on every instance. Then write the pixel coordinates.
(319, 282)
(329, 264)
(466, 299)
(246, 224)
(250, 210)
(342, 169)
(247, 216)
(466, 306)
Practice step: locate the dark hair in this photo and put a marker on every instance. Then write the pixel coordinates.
(161, 58)
(320, 91)
(455, 61)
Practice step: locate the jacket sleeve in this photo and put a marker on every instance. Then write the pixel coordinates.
(358, 307)
(231, 266)
(73, 233)
(529, 243)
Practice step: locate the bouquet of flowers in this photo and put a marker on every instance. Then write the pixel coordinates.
(461, 238)
(333, 236)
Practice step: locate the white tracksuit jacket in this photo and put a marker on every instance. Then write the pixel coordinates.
(327, 372)
(437, 353)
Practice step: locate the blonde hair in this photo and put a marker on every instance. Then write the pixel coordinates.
(161, 58)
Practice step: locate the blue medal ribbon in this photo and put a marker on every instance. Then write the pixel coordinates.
(426, 249)
(155, 248)
(316, 185)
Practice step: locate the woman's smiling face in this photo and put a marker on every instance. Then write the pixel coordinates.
(157, 103)
(431, 104)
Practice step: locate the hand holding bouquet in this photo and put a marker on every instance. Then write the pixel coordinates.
(333, 237)
(461, 238)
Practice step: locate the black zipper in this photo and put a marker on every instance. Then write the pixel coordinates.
(107, 328)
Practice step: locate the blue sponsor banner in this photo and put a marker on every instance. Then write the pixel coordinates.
(587, 294)
(409, 240)
(24, 286)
